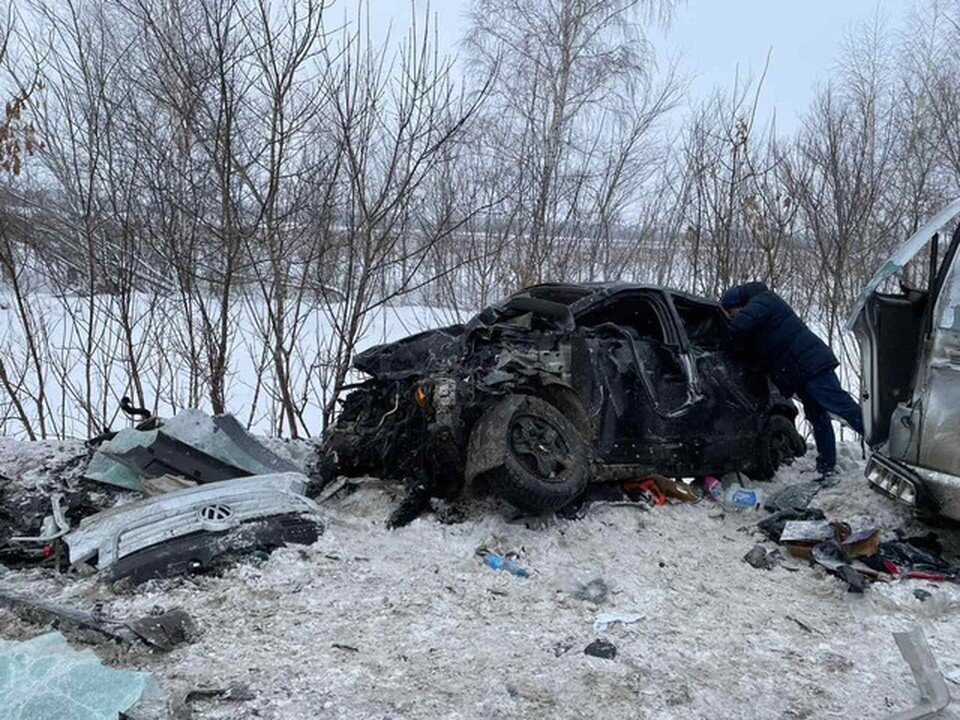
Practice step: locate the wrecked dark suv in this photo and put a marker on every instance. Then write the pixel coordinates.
(559, 385)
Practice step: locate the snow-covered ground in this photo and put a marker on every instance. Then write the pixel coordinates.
(438, 634)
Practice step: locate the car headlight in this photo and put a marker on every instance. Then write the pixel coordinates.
(421, 394)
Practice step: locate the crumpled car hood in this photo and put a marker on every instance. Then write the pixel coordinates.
(416, 356)
(435, 351)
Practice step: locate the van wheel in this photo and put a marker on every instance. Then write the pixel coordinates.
(778, 445)
(545, 459)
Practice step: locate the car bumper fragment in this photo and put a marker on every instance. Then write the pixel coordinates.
(114, 534)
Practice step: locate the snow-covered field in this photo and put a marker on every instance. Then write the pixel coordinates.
(168, 370)
(438, 634)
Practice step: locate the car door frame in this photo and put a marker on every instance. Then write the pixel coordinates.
(937, 381)
(745, 408)
(673, 341)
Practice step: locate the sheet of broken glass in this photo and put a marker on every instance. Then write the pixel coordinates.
(44, 678)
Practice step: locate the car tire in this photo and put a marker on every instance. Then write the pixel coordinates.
(779, 444)
(544, 459)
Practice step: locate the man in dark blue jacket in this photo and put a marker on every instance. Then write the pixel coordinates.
(766, 331)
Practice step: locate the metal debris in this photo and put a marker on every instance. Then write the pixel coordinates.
(934, 694)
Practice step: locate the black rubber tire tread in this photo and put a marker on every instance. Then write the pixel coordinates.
(524, 490)
(766, 465)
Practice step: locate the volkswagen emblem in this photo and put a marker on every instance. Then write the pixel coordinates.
(215, 516)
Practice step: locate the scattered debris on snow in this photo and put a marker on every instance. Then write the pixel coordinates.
(370, 622)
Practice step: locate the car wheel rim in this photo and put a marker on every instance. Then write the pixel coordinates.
(539, 446)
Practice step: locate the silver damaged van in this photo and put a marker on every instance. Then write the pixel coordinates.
(910, 349)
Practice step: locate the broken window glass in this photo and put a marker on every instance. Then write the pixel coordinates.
(44, 678)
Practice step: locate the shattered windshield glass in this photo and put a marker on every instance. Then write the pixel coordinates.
(947, 312)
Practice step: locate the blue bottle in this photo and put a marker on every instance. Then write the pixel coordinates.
(498, 562)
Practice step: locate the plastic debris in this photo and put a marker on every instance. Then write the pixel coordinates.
(45, 678)
(647, 489)
(499, 562)
(605, 620)
(601, 649)
(793, 497)
(713, 488)
(741, 499)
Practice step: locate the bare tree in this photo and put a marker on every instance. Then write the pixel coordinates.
(577, 93)
(392, 125)
(843, 175)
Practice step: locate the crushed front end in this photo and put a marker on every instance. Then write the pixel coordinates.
(403, 429)
(411, 421)
(404, 423)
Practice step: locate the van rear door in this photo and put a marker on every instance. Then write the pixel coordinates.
(888, 329)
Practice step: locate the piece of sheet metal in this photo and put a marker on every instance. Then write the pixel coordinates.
(192, 444)
(934, 694)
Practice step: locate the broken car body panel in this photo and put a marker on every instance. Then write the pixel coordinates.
(191, 444)
(910, 344)
(114, 534)
(638, 370)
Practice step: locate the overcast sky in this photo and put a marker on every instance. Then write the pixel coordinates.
(713, 38)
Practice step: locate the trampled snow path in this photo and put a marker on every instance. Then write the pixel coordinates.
(439, 635)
